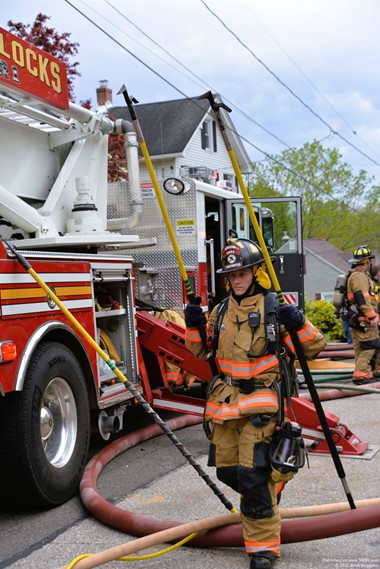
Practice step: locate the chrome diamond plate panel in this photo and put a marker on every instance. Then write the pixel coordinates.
(159, 281)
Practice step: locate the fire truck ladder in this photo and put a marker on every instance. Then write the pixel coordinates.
(32, 113)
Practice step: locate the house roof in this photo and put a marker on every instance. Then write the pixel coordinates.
(328, 253)
(168, 126)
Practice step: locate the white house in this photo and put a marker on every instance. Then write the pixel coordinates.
(183, 139)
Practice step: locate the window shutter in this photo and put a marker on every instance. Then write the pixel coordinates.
(203, 137)
(214, 136)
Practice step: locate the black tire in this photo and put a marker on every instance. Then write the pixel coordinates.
(45, 431)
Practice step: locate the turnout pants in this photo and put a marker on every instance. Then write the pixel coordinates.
(367, 352)
(239, 450)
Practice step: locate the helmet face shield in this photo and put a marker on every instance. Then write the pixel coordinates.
(239, 254)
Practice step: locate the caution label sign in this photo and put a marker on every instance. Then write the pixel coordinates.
(185, 226)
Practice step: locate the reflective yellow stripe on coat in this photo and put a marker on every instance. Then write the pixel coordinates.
(306, 334)
(256, 402)
(246, 370)
(192, 335)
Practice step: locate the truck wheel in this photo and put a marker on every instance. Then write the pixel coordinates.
(45, 430)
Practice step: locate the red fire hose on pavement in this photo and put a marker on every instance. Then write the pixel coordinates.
(293, 530)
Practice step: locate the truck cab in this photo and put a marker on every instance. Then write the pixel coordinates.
(203, 217)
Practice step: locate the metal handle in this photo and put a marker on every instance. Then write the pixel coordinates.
(210, 243)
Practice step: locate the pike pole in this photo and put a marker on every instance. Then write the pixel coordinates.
(189, 292)
(127, 384)
(130, 104)
(276, 285)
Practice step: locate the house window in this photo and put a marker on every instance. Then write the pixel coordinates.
(208, 136)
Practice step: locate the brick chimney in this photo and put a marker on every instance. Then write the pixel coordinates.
(104, 96)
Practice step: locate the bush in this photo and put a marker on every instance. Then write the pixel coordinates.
(322, 315)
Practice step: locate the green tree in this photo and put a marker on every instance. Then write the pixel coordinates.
(337, 205)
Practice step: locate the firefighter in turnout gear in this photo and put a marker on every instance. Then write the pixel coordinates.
(244, 401)
(362, 296)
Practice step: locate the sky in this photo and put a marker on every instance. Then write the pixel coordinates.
(292, 71)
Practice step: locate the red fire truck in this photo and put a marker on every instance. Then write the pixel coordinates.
(101, 250)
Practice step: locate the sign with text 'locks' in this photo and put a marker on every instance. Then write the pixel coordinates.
(26, 68)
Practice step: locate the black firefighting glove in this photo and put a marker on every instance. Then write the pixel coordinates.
(290, 316)
(194, 316)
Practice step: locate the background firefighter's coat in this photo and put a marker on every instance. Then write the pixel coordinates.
(362, 293)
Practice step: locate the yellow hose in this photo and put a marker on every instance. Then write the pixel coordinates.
(89, 561)
(148, 541)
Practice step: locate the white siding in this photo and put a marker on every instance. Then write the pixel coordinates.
(320, 278)
(194, 155)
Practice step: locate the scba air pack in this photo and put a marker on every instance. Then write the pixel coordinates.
(340, 291)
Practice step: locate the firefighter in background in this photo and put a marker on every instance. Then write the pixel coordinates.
(363, 299)
(243, 401)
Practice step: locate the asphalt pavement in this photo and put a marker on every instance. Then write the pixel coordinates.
(183, 495)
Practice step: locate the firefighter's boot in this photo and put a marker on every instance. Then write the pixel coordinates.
(262, 560)
(362, 377)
